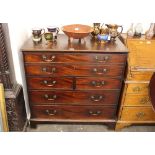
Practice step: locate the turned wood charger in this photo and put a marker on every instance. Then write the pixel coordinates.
(77, 31)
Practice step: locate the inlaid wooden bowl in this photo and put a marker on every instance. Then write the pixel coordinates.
(77, 31)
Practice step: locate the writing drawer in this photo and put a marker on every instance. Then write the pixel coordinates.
(138, 114)
(137, 88)
(49, 83)
(75, 70)
(97, 83)
(72, 97)
(137, 100)
(73, 112)
(45, 57)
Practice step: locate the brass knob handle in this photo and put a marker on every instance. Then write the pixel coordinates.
(94, 113)
(96, 98)
(140, 115)
(102, 59)
(50, 98)
(49, 84)
(53, 70)
(51, 112)
(97, 83)
(44, 58)
(101, 71)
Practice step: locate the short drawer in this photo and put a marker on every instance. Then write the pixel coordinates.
(140, 76)
(51, 57)
(73, 112)
(137, 100)
(100, 83)
(49, 83)
(138, 114)
(75, 70)
(74, 97)
(137, 88)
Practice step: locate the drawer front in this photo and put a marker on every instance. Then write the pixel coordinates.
(97, 83)
(49, 83)
(137, 100)
(138, 114)
(137, 88)
(73, 112)
(45, 57)
(140, 76)
(72, 97)
(75, 70)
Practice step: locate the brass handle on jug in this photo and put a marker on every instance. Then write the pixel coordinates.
(119, 33)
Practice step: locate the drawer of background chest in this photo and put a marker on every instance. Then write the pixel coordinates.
(137, 100)
(74, 70)
(72, 97)
(97, 83)
(49, 83)
(73, 112)
(45, 57)
(140, 76)
(138, 114)
(137, 88)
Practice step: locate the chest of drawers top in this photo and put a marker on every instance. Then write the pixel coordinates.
(87, 45)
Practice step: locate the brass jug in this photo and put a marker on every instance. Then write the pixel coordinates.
(113, 30)
(96, 29)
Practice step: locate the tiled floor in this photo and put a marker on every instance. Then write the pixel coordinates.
(86, 128)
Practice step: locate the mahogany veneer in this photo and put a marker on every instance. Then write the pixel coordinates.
(74, 82)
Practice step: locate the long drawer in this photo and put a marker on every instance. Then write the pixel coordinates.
(50, 83)
(138, 114)
(73, 112)
(74, 97)
(49, 57)
(98, 83)
(74, 70)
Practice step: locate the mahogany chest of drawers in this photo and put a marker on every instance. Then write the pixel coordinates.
(74, 82)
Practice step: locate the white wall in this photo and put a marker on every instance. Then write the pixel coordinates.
(23, 15)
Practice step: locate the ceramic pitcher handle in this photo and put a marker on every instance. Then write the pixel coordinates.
(58, 30)
(43, 31)
(119, 33)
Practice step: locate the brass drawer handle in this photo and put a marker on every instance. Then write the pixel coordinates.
(140, 115)
(145, 100)
(49, 84)
(44, 58)
(97, 83)
(101, 71)
(96, 98)
(50, 98)
(51, 112)
(53, 70)
(94, 113)
(104, 59)
(136, 89)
